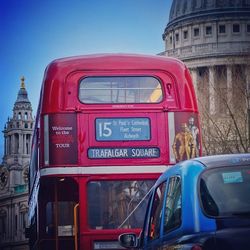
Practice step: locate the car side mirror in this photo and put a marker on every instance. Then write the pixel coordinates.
(128, 240)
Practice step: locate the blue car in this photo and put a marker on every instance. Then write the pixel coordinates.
(199, 204)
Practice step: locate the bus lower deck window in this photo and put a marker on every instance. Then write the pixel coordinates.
(114, 204)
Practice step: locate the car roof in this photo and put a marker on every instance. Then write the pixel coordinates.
(224, 160)
(200, 163)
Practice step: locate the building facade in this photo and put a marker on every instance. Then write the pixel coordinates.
(14, 174)
(212, 37)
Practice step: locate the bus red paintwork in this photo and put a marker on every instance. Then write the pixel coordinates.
(107, 126)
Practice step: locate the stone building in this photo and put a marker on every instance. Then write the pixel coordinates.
(212, 37)
(14, 174)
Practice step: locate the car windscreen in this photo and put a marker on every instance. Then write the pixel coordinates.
(225, 191)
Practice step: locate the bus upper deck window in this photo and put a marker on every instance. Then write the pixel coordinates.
(122, 89)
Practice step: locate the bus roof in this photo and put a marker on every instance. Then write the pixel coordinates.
(117, 61)
(59, 71)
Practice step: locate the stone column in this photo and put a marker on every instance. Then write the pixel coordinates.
(9, 220)
(211, 87)
(16, 222)
(20, 149)
(194, 75)
(229, 86)
(9, 145)
(12, 141)
(5, 146)
(247, 75)
(27, 145)
(24, 144)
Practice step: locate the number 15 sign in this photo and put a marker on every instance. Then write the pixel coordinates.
(122, 129)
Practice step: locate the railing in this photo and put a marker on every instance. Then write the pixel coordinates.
(76, 225)
(209, 49)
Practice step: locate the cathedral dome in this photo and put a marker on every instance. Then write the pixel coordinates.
(207, 28)
(185, 9)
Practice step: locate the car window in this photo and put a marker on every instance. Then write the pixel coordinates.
(172, 216)
(225, 191)
(156, 212)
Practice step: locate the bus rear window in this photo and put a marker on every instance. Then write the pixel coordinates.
(122, 89)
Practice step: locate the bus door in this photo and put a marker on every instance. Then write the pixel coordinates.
(58, 222)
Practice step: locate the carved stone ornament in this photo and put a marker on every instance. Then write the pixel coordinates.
(26, 175)
(4, 175)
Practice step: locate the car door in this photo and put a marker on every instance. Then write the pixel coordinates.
(152, 239)
(165, 215)
(172, 209)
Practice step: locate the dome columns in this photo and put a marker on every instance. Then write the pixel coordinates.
(247, 73)
(229, 85)
(211, 81)
(194, 75)
(212, 38)
(211, 88)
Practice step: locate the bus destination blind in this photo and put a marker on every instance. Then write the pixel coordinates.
(128, 152)
(122, 129)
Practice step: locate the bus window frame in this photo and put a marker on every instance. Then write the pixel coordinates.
(113, 74)
(112, 177)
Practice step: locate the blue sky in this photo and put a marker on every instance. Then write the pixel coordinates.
(33, 33)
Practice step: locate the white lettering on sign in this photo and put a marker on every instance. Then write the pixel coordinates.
(62, 145)
(109, 153)
(104, 129)
(61, 130)
(142, 152)
(120, 129)
(131, 136)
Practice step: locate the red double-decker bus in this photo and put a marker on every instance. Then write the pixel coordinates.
(107, 126)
